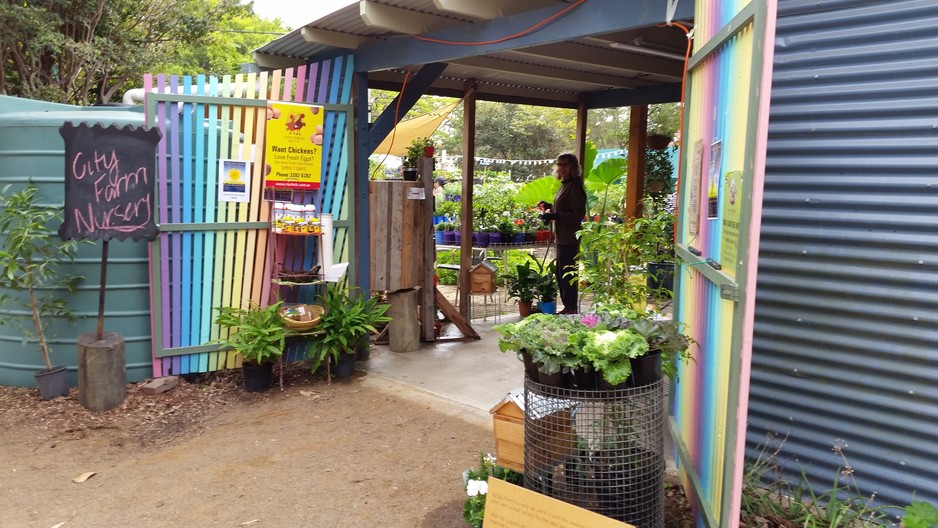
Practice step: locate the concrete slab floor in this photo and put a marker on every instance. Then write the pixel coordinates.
(474, 373)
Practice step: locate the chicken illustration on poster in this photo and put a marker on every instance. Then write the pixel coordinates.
(293, 147)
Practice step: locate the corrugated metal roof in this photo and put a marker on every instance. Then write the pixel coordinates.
(846, 321)
(557, 72)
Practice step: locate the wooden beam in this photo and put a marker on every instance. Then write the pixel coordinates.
(635, 182)
(646, 95)
(275, 62)
(416, 87)
(400, 20)
(332, 38)
(578, 52)
(468, 165)
(581, 122)
(487, 9)
(540, 71)
(427, 310)
(450, 311)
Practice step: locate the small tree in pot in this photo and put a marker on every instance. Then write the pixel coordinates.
(30, 253)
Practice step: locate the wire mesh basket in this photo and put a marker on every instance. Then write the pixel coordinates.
(602, 450)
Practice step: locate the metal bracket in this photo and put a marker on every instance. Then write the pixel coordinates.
(729, 292)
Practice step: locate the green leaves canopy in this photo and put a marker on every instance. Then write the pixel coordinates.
(87, 51)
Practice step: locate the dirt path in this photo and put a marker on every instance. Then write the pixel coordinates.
(363, 452)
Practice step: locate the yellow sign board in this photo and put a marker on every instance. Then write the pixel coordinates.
(510, 506)
(732, 205)
(293, 145)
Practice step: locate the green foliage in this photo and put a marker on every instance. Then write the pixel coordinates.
(348, 317)
(257, 333)
(541, 189)
(614, 256)
(448, 208)
(85, 52)
(477, 488)
(608, 174)
(920, 515)
(547, 281)
(607, 338)
(30, 253)
(659, 170)
(415, 151)
(522, 284)
(550, 339)
(611, 351)
(768, 495)
(493, 201)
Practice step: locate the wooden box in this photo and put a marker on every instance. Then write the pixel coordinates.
(508, 427)
(482, 277)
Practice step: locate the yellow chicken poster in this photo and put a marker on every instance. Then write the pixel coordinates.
(293, 146)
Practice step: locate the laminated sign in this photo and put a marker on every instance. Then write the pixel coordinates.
(293, 146)
(110, 176)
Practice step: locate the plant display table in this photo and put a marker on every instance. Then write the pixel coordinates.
(602, 450)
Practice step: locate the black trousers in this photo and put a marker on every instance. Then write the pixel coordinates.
(568, 285)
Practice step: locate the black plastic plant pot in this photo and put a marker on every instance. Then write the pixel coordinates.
(257, 377)
(52, 383)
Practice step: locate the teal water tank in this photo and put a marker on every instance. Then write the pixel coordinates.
(32, 149)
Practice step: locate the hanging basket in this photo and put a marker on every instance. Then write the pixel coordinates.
(300, 277)
(301, 316)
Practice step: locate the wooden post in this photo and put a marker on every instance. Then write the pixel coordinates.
(635, 183)
(468, 166)
(403, 330)
(427, 311)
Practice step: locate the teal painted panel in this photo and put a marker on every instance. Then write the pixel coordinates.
(31, 147)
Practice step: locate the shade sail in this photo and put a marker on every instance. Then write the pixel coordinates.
(418, 127)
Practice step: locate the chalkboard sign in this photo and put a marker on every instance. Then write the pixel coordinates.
(110, 175)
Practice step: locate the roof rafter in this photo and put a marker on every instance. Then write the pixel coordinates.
(594, 17)
(401, 20)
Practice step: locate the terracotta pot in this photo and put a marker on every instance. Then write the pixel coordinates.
(524, 309)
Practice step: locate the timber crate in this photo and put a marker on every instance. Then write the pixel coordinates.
(508, 427)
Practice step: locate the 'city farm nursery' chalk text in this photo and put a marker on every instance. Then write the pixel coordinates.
(116, 204)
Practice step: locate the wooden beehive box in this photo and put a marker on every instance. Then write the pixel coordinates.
(482, 277)
(508, 426)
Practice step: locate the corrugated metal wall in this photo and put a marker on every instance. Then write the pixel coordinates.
(846, 322)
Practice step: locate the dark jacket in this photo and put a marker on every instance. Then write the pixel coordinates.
(569, 208)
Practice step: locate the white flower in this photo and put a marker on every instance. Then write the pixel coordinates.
(477, 487)
(490, 459)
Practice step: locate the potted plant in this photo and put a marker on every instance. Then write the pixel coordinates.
(547, 288)
(659, 171)
(258, 334)
(522, 285)
(29, 257)
(546, 343)
(417, 149)
(348, 318)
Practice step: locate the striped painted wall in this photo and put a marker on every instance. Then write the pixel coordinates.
(722, 134)
(212, 253)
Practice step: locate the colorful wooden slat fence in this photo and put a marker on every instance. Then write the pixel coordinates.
(211, 253)
(715, 298)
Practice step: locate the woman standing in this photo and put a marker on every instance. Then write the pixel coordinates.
(567, 213)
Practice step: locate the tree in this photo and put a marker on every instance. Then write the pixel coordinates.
(86, 51)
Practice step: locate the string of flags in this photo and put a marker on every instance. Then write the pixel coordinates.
(491, 161)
